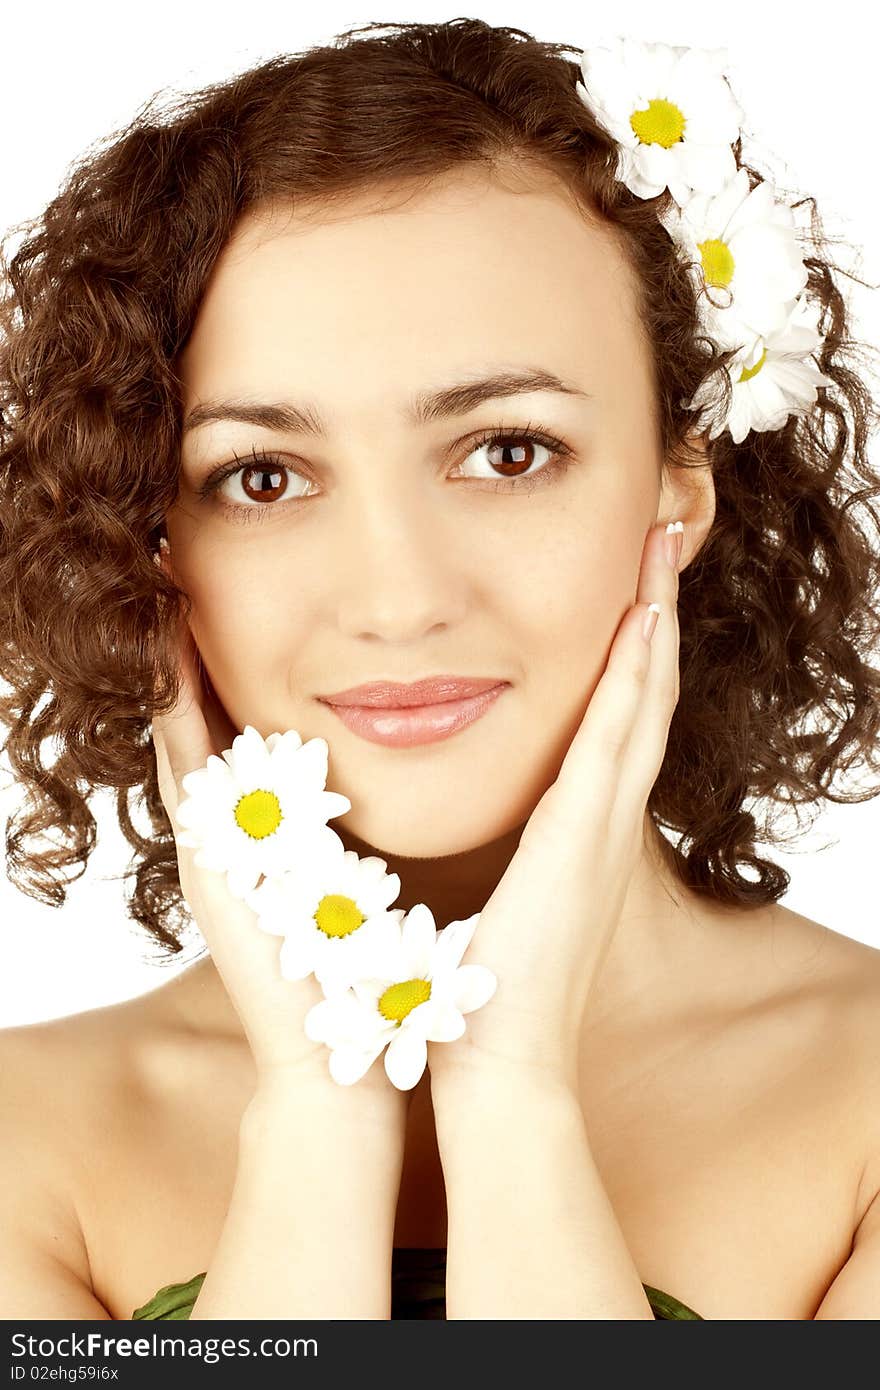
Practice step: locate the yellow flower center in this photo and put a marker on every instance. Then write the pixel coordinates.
(661, 124)
(718, 262)
(337, 915)
(398, 1000)
(258, 814)
(749, 372)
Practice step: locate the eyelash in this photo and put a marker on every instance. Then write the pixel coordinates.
(563, 456)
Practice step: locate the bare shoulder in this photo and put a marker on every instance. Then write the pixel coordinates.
(61, 1078)
(839, 967)
(54, 1077)
(81, 1076)
(92, 1106)
(837, 977)
(64, 1071)
(840, 979)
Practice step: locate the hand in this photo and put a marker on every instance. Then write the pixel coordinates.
(271, 1009)
(545, 929)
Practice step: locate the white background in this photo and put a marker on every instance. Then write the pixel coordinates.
(74, 74)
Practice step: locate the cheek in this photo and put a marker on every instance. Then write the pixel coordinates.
(571, 597)
(245, 625)
(571, 605)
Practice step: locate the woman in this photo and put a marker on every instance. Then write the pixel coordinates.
(243, 310)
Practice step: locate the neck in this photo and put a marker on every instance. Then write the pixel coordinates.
(454, 886)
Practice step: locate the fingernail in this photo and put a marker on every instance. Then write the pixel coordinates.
(674, 542)
(650, 621)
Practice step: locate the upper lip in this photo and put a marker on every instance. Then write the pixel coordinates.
(433, 690)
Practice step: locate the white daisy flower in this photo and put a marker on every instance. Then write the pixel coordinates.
(332, 910)
(418, 993)
(257, 808)
(748, 263)
(671, 112)
(772, 380)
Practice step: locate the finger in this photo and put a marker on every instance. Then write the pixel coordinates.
(597, 765)
(577, 808)
(185, 732)
(167, 785)
(647, 745)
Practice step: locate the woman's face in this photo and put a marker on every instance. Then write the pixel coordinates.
(389, 548)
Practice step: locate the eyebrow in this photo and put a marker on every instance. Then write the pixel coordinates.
(425, 407)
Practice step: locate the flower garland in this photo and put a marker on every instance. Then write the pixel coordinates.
(391, 982)
(675, 120)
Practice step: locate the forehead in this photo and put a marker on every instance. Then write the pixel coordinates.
(378, 294)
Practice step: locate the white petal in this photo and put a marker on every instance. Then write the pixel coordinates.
(419, 936)
(382, 956)
(333, 804)
(706, 168)
(336, 970)
(267, 922)
(249, 758)
(441, 1023)
(368, 990)
(472, 986)
(380, 939)
(382, 892)
(290, 739)
(349, 1064)
(297, 956)
(311, 763)
(646, 170)
(189, 839)
(318, 1022)
(452, 943)
(284, 758)
(241, 878)
(340, 1021)
(373, 867)
(406, 1059)
(325, 842)
(207, 858)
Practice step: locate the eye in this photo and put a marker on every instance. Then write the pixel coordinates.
(515, 467)
(515, 455)
(262, 479)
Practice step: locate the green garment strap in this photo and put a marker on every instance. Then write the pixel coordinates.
(172, 1300)
(175, 1301)
(665, 1306)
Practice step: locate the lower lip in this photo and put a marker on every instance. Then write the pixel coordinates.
(402, 728)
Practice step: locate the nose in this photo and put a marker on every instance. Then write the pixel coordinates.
(403, 575)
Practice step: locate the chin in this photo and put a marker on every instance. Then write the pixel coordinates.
(412, 837)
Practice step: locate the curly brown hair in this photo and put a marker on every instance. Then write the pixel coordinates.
(777, 611)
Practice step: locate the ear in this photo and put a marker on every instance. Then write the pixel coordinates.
(163, 558)
(687, 494)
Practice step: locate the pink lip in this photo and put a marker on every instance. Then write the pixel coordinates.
(431, 691)
(402, 727)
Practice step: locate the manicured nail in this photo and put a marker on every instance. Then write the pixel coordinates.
(650, 622)
(674, 542)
